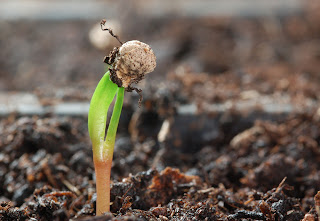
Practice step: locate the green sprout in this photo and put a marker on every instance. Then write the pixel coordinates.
(129, 64)
(102, 145)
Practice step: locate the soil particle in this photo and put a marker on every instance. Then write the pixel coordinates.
(172, 181)
(114, 78)
(265, 172)
(49, 204)
(159, 211)
(9, 213)
(105, 217)
(246, 214)
(112, 56)
(308, 217)
(34, 133)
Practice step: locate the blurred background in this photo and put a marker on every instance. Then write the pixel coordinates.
(208, 51)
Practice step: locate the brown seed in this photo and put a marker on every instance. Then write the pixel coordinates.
(134, 60)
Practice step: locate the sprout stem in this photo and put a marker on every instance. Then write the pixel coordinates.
(103, 165)
(103, 148)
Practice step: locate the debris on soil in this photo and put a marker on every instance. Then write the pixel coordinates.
(233, 182)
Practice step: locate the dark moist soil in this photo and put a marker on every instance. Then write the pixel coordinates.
(247, 163)
(269, 171)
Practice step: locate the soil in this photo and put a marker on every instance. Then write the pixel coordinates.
(249, 163)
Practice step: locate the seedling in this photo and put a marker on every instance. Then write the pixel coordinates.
(128, 64)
